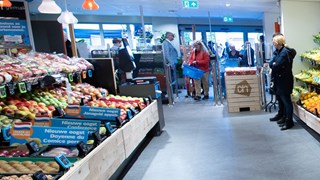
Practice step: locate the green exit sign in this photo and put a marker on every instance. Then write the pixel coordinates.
(190, 4)
(227, 19)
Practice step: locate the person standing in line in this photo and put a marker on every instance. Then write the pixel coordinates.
(200, 59)
(170, 52)
(244, 57)
(233, 53)
(281, 65)
(263, 48)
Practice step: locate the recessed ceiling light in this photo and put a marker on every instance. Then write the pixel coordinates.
(228, 4)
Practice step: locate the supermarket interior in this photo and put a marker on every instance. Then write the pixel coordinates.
(170, 89)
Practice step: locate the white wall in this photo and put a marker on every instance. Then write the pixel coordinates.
(268, 28)
(300, 20)
(162, 25)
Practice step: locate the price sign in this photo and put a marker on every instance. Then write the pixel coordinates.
(78, 76)
(90, 73)
(39, 175)
(11, 88)
(84, 74)
(129, 114)
(63, 161)
(70, 77)
(22, 87)
(41, 84)
(29, 86)
(3, 92)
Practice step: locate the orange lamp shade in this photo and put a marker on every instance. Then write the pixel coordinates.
(5, 3)
(90, 5)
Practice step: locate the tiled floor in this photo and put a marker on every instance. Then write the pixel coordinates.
(202, 141)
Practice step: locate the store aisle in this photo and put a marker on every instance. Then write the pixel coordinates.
(201, 141)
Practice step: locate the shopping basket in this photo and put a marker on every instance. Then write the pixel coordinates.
(192, 72)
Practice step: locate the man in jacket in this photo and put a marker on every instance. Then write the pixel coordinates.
(170, 52)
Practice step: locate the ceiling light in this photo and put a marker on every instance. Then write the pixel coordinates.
(67, 17)
(5, 3)
(90, 5)
(228, 4)
(49, 7)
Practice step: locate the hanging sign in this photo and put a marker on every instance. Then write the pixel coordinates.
(190, 4)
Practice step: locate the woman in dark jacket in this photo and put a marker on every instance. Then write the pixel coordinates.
(281, 65)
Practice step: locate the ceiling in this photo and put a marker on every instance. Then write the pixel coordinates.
(246, 9)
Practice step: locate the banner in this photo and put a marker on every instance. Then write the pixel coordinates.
(13, 26)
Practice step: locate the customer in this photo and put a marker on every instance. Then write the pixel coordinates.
(233, 53)
(116, 44)
(200, 59)
(281, 65)
(245, 58)
(170, 52)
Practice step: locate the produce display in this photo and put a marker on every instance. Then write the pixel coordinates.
(312, 55)
(13, 69)
(21, 108)
(23, 177)
(28, 167)
(68, 152)
(14, 153)
(309, 76)
(296, 93)
(235, 71)
(310, 101)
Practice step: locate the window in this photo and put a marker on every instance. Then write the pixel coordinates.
(188, 37)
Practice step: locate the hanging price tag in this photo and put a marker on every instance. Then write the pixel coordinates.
(11, 88)
(84, 74)
(70, 77)
(90, 73)
(29, 87)
(22, 87)
(3, 92)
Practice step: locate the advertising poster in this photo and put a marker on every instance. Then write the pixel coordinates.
(13, 26)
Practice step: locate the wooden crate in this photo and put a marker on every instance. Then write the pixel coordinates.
(237, 93)
(136, 130)
(312, 121)
(301, 113)
(102, 162)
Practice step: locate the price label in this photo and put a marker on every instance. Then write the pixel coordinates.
(29, 86)
(41, 84)
(78, 76)
(3, 92)
(11, 88)
(109, 128)
(63, 161)
(129, 114)
(70, 77)
(22, 87)
(84, 74)
(39, 175)
(90, 73)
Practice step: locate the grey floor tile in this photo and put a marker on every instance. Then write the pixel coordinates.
(203, 141)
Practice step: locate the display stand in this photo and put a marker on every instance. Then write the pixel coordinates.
(104, 160)
(243, 92)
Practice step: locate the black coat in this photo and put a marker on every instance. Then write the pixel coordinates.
(281, 65)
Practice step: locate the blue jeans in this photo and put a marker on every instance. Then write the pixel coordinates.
(285, 105)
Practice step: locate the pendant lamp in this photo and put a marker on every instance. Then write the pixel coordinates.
(5, 3)
(90, 5)
(49, 7)
(67, 17)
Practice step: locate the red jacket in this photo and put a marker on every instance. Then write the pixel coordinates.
(202, 59)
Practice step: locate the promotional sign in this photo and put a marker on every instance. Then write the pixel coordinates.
(24, 132)
(88, 112)
(90, 125)
(13, 26)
